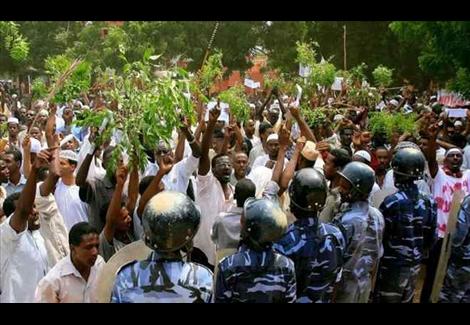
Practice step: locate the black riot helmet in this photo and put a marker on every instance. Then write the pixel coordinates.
(307, 191)
(263, 222)
(170, 221)
(408, 163)
(362, 179)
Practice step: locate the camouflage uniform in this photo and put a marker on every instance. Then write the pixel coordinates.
(317, 251)
(457, 281)
(410, 218)
(364, 226)
(255, 277)
(162, 280)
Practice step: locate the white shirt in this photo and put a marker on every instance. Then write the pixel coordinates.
(256, 152)
(178, 178)
(52, 228)
(64, 284)
(211, 200)
(255, 141)
(23, 263)
(261, 177)
(375, 188)
(466, 157)
(443, 189)
(389, 183)
(70, 206)
(262, 160)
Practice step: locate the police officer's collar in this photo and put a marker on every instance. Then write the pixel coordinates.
(173, 256)
(307, 222)
(409, 187)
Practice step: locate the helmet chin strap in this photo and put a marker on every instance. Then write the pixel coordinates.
(189, 248)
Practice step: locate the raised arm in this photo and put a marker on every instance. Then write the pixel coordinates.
(290, 168)
(85, 166)
(50, 125)
(192, 139)
(304, 128)
(19, 220)
(114, 208)
(432, 147)
(259, 111)
(154, 188)
(281, 105)
(204, 162)
(49, 184)
(26, 144)
(284, 139)
(133, 189)
(179, 151)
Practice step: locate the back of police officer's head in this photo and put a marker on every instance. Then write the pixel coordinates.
(244, 189)
(170, 221)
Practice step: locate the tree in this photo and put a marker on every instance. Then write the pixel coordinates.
(279, 39)
(15, 45)
(444, 49)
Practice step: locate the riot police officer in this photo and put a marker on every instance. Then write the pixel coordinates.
(410, 231)
(456, 287)
(256, 273)
(170, 221)
(363, 226)
(316, 248)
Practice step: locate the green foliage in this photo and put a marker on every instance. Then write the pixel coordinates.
(235, 97)
(78, 82)
(280, 81)
(39, 89)
(15, 43)
(443, 48)
(144, 109)
(305, 53)
(382, 76)
(212, 70)
(313, 117)
(323, 74)
(461, 82)
(279, 42)
(357, 74)
(3, 129)
(386, 123)
(364, 96)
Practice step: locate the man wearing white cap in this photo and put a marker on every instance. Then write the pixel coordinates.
(70, 142)
(447, 179)
(13, 131)
(66, 191)
(268, 159)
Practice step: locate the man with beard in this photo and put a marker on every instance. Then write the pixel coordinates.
(383, 159)
(268, 159)
(447, 179)
(214, 191)
(240, 167)
(249, 129)
(345, 135)
(265, 130)
(23, 255)
(74, 278)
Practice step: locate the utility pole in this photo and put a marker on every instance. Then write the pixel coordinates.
(344, 46)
